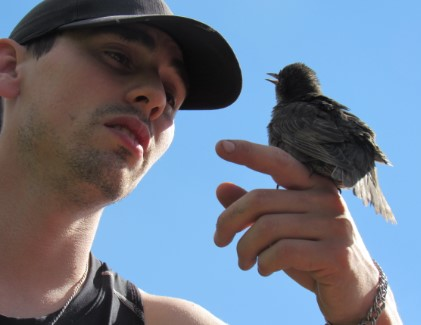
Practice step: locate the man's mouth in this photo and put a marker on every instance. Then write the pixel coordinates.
(132, 132)
(123, 129)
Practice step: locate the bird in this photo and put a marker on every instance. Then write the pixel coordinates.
(323, 135)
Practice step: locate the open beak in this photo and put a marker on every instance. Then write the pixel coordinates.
(275, 76)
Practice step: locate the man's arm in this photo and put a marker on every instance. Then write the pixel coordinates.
(161, 310)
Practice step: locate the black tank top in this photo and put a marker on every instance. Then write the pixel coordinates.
(104, 299)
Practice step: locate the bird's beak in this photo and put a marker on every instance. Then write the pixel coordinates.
(274, 75)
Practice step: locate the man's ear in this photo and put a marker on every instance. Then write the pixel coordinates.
(10, 54)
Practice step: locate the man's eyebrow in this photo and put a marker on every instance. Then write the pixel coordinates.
(130, 34)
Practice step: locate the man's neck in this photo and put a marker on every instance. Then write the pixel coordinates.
(44, 251)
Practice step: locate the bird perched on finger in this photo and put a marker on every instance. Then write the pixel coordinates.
(323, 135)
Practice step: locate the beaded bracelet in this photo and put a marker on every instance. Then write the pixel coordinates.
(379, 300)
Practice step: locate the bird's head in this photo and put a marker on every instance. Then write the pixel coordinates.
(295, 80)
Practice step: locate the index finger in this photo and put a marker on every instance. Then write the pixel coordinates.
(284, 169)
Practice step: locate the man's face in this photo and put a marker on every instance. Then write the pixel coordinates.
(98, 110)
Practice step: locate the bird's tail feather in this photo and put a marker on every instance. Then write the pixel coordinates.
(368, 190)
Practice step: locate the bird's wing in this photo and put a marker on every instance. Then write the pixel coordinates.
(311, 131)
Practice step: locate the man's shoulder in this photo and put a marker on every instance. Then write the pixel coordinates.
(167, 310)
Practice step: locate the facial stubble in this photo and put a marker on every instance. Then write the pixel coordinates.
(75, 168)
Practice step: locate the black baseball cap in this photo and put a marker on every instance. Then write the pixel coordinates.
(213, 70)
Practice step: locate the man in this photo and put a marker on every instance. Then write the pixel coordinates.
(89, 92)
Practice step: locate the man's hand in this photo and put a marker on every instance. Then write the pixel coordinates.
(304, 229)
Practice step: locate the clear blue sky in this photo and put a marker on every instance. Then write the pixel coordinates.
(367, 55)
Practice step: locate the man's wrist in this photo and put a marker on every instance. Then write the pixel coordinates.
(379, 303)
(390, 315)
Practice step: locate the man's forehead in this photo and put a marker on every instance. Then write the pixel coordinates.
(136, 33)
(131, 33)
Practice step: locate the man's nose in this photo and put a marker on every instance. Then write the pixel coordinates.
(150, 99)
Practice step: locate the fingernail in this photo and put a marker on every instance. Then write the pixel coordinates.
(228, 146)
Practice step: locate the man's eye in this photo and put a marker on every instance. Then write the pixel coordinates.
(119, 57)
(171, 100)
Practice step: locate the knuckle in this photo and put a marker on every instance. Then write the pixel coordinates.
(242, 251)
(344, 229)
(285, 157)
(250, 204)
(220, 223)
(257, 197)
(330, 201)
(243, 147)
(246, 256)
(263, 268)
(342, 257)
(272, 259)
(266, 226)
(284, 249)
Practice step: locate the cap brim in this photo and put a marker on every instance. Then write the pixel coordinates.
(214, 74)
